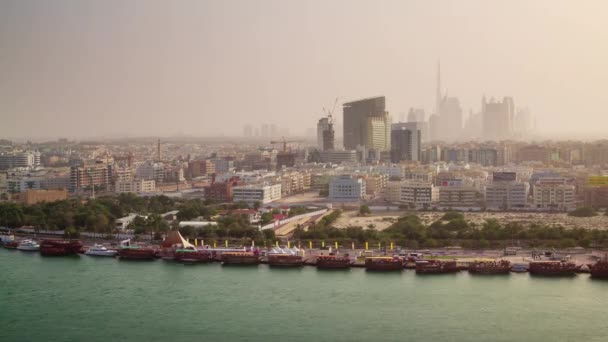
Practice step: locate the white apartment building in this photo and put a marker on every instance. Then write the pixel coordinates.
(346, 188)
(251, 193)
(135, 186)
(411, 192)
(554, 196)
(391, 170)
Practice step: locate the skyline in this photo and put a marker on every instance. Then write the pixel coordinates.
(78, 70)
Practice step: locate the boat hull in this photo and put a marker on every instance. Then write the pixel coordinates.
(285, 260)
(436, 268)
(552, 269)
(59, 247)
(28, 248)
(136, 254)
(386, 266)
(109, 253)
(599, 270)
(191, 257)
(228, 259)
(493, 267)
(333, 263)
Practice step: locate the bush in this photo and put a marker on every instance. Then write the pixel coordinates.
(452, 215)
(583, 212)
(364, 210)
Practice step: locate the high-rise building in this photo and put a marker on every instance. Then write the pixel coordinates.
(325, 134)
(497, 120)
(247, 131)
(523, 123)
(406, 142)
(367, 124)
(416, 115)
(448, 123)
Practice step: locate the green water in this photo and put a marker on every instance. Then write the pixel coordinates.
(103, 299)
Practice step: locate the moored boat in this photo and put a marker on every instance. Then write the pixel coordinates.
(11, 245)
(189, 255)
(333, 262)
(599, 270)
(519, 267)
(28, 246)
(490, 267)
(240, 258)
(99, 250)
(285, 259)
(136, 253)
(383, 264)
(553, 268)
(436, 267)
(52, 247)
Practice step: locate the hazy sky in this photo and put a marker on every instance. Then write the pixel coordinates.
(119, 67)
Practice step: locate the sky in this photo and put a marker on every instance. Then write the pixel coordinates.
(93, 68)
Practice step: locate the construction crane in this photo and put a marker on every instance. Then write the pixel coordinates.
(284, 142)
(328, 112)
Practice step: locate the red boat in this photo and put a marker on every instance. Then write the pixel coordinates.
(333, 261)
(188, 255)
(383, 264)
(599, 270)
(136, 253)
(285, 260)
(60, 247)
(11, 245)
(436, 267)
(490, 267)
(240, 258)
(553, 268)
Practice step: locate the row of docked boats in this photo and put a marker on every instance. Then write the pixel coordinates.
(181, 251)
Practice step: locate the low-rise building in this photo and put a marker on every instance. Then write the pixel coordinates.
(506, 192)
(222, 191)
(338, 156)
(263, 193)
(375, 184)
(554, 196)
(346, 188)
(412, 192)
(38, 196)
(456, 196)
(135, 186)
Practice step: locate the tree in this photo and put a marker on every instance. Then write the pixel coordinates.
(364, 210)
(266, 218)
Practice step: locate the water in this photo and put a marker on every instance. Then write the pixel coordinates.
(100, 299)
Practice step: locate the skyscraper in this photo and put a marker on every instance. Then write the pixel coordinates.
(406, 142)
(367, 124)
(498, 118)
(325, 134)
(449, 114)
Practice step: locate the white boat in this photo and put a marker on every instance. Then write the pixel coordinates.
(99, 250)
(28, 245)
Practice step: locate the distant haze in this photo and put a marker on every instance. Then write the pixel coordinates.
(140, 68)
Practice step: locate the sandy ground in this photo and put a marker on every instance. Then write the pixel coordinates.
(377, 218)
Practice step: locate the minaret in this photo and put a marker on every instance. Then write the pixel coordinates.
(158, 150)
(438, 94)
